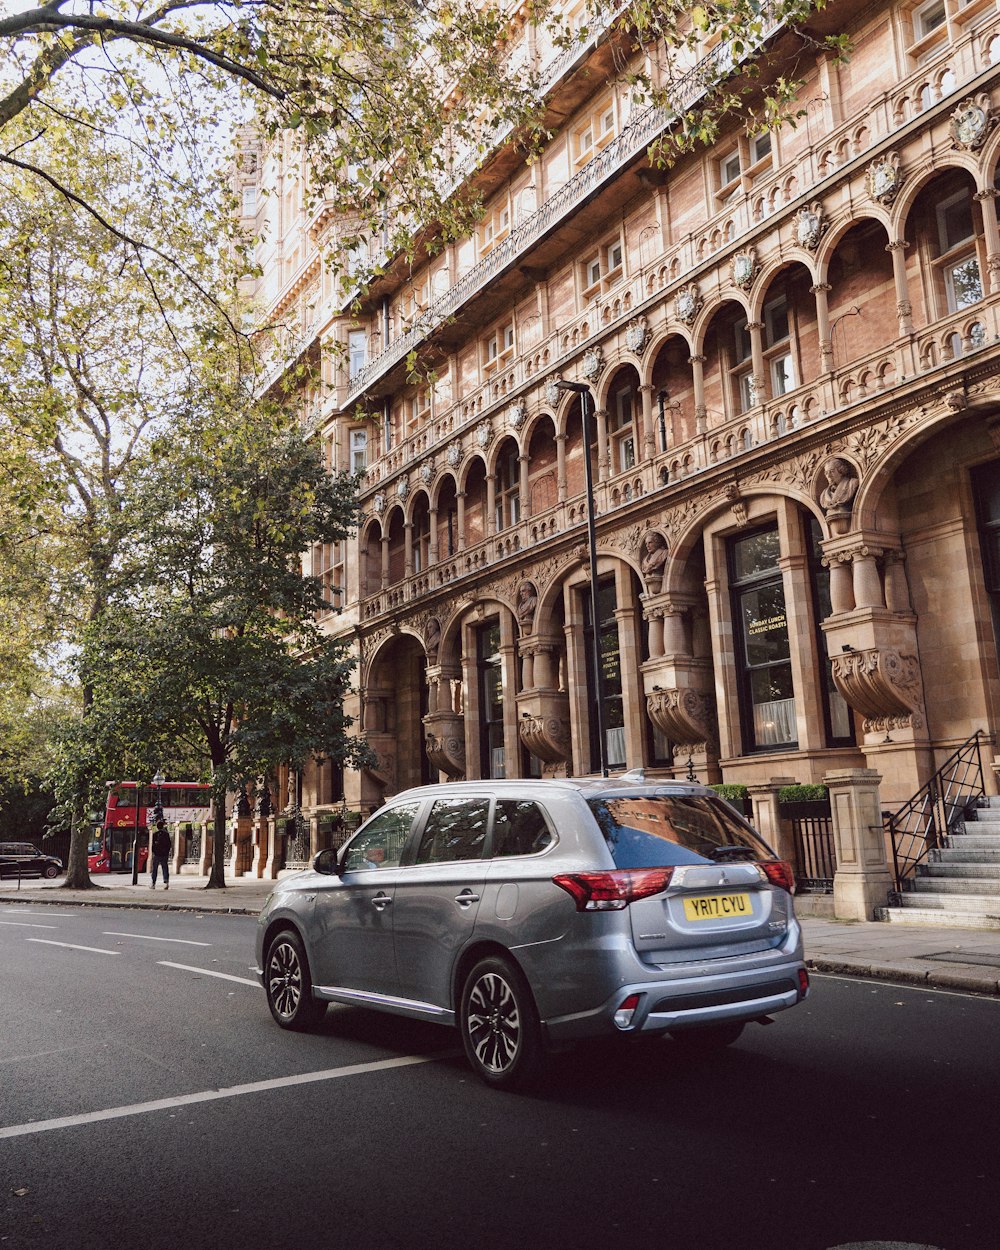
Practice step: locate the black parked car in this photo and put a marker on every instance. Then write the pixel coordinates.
(21, 859)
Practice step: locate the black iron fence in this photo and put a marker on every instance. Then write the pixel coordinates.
(935, 811)
(815, 859)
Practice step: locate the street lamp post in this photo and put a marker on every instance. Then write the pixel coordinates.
(583, 390)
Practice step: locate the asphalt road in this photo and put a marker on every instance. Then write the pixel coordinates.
(868, 1115)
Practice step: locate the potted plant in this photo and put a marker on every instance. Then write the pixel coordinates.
(798, 802)
(736, 795)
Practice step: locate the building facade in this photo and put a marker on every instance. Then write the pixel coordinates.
(785, 352)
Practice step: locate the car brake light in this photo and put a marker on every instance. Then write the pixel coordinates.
(803, 983)
(623, 1016)
(778, 872)
(613, 891)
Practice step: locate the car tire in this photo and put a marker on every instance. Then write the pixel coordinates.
(499, 1024)
(51, 871)
(709, 1038)
(288, 984)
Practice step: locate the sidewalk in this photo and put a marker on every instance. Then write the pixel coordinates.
(958, 959)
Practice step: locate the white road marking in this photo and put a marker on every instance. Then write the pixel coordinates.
(97, 950)
(213, 1095)
(20, 911)
(26, 924)
(906, 985)
(145, 937)
(207, 972)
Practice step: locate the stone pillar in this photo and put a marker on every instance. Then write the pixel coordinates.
(385, 561)
(841, 583)
(561, 468)
(759, 378)
(863, 878)
(774, 828)
(261, 844)
(179, 851)
(275, 844)
(601, 425)
(988, 203)
(648, 440)
(523, 489)
(460, 519)
(867, 583)
(490, 528)
(820, 292)
(697, 364)
(432, 545)
(904, 309)
(408, 549)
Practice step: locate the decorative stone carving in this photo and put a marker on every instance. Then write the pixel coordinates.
(545, 736)
(653, 560)
(637, 335)
(402, 488)
(837, 497)
(738, 505)
(426, 471)
(744, 268)
(593, 363)
(971, 122)
(515, 415)
(688, 303)
(454, 455)
(884, 178)
(552, 393)
(432, 639)
(483, 433)
(810, 226)
(444, 734)
(882, 685)
(378, 503)
(527, 602)
(685, 717)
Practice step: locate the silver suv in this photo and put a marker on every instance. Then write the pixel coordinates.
(532, 914)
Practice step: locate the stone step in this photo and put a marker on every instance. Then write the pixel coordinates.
(956, 855)
(974, 842)
(991, 826)
(936, 919)
(984, 886)
(933, 868)
(952, 902)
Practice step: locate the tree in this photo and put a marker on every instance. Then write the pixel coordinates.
(210, 641)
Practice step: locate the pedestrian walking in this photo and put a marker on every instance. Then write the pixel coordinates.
(161, 855)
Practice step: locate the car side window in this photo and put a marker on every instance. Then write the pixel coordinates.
(455, 830)
(380, 843)
(519, 828)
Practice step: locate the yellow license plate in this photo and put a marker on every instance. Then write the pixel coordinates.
(718, 907)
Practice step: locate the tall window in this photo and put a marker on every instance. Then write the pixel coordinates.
(837, 712)
(958, 262)
(357, 351)
(622, 431)
(763, 649)
(359, 451)
(609, 688)
(491, 753)
(508, 492)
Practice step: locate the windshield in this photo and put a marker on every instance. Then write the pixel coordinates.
(659, 831)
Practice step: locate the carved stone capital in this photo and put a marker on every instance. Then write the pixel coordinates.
(546, 736)
(882, 685)
(685, 717)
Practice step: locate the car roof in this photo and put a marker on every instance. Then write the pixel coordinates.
(537, 788)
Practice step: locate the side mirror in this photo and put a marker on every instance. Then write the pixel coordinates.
(326, 862)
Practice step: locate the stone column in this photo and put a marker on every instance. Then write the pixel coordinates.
(601, 424)
(408, 549)
(988, 203)
(561, 468)
(385, 561)
(490, 528)
(868, 591)
(432, 545)
(460, 520)
(841, 583)
(863, 878)
(648, 439)
(759, 378)
(775, 829)
(523, 490)
(904, 309)
(697, 364)
(820, 292)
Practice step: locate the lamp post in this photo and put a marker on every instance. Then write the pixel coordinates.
(583, 390)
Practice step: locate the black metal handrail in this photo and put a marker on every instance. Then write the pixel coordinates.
(934, 812)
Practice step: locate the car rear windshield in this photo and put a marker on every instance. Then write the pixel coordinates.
(654, 831)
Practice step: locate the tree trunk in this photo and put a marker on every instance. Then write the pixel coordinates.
(217, 876)
(77, 873)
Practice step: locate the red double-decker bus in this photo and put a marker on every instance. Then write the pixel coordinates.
(126, 820)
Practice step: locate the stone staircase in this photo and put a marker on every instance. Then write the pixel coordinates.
(957, 886)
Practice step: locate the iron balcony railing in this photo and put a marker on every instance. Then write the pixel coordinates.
(935, 811)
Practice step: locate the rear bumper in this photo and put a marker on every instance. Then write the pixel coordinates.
(688, 1004)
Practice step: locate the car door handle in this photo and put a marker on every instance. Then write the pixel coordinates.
(381, 901)
(465, 898)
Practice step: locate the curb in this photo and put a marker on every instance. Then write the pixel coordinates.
(929, 977)
(131, 905)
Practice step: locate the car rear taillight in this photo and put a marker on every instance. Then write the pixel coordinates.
(625, 1013)
(803, 983)
(613, 891)
(779, 873)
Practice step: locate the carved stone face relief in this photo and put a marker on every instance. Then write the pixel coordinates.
(884, 178)
(841, 486)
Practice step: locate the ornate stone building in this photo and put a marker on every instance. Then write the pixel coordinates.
(790, 347)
